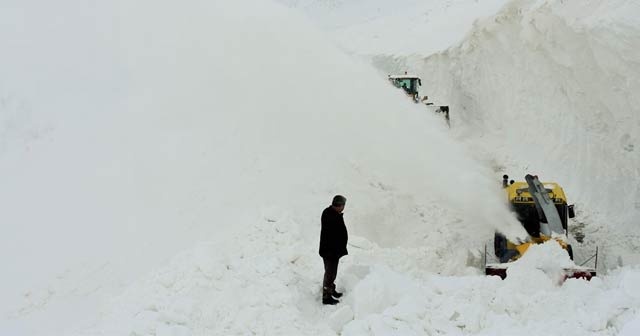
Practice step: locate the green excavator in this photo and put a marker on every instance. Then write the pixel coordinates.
(411, 86)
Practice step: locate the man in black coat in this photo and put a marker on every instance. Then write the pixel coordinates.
(333, 246)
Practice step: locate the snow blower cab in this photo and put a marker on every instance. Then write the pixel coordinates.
(543, 211)
(411, 86)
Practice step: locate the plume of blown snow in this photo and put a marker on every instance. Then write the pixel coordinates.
(132, 130)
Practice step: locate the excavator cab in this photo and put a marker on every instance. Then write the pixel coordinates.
(410, 84)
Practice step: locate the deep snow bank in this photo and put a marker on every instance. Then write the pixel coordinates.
(130, 131)
(529, 300)
(552, 88)
(270, 285)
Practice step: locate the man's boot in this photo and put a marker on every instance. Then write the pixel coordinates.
(326, 297)
(334, 293)
(330, 301)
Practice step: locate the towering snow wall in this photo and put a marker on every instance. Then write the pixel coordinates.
(131, 130)
(553, 88)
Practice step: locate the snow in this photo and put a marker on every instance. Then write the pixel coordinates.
(400, 27)
(548, 260)
(378, 301)
(164, 167)
(631, 328)
(581, 123)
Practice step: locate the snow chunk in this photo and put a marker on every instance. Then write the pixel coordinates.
(630, 283)
(632, 328)
(382, 288)
(342, 316)
(542, 263)
(361, 243)
(173, 330)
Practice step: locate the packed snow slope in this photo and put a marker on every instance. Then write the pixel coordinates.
(553, 88)
(132, 130)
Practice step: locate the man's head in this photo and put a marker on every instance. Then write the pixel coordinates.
(338, 203)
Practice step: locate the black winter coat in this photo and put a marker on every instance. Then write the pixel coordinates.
(333, 235)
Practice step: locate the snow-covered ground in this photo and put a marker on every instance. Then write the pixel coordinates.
(164, 167)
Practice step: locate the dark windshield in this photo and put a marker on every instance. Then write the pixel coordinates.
(528, 216)
(409, 84)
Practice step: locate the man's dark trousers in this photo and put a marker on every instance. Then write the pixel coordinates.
(330, 272)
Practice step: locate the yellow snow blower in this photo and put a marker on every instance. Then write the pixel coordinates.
(543, 211)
